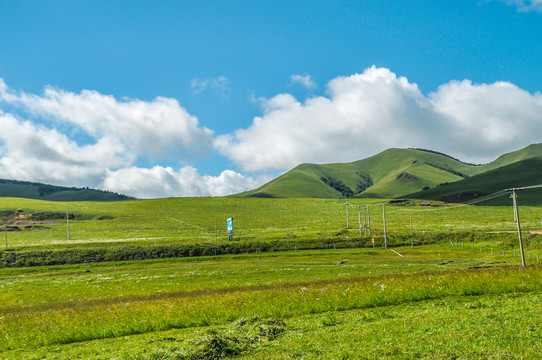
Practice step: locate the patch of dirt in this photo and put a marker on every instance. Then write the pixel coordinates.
(405, 175)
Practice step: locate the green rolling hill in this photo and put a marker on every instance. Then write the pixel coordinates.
(39, 191)
(530, 151)
(414, 177)
(523, 173)
(393, 173)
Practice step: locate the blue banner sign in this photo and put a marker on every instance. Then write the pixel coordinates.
(230, 226)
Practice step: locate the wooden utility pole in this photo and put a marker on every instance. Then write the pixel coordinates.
(516, 217)
(68, 224)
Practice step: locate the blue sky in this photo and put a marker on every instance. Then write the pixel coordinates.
(191, 98)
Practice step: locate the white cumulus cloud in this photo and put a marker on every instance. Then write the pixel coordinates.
(487, 119)
(116, 133)
(33, 152)
(369, 112)
(147, 128)
(164, 182)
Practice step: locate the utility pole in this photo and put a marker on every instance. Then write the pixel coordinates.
(347, 226)
(68, 224)
(359, 221)
(384, 217)
(516, 217)
(359, 216)
(365, 219)
(6, 231)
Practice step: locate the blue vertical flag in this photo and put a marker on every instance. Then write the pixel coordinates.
(230, 226)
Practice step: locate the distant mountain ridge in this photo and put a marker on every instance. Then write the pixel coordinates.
(40, 191)
(396, 173)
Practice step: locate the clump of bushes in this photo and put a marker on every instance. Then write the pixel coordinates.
(338, 185)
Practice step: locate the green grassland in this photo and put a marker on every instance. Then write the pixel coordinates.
(444, 293)
(198, 220)
(303, 304)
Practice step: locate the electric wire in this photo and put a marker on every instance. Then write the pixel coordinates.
(484, 198)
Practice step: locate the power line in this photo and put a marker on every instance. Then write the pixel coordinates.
(527, 187)
(488, 197)
(492, 196)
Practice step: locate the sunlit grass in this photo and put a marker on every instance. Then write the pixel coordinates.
(42, 286)
(104, 305)
(320, 294)
(470, 327)
(193, 220)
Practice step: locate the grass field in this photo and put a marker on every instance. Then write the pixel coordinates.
(194, 220)
(57, 311)
(448, 300)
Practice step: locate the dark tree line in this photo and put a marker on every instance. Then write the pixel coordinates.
(338, 185)
(46, 189)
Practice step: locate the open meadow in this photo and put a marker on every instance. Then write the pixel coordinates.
(198, 220)
(294, 282)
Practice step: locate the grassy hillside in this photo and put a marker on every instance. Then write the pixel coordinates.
(393, 173)
(294, 184)
(522, 173)
(530, 151)
(414, 177)
(39, 191)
